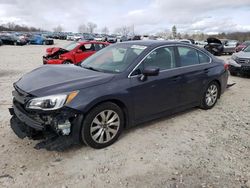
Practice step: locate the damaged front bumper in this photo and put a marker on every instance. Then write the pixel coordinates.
(57, 130)
(242, 68)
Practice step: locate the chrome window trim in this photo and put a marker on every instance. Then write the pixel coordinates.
(170, 45)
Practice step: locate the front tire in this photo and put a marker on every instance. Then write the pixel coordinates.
(103, 125)
(210, 96)
(67, 62)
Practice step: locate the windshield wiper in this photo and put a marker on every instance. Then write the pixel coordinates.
(91, 68)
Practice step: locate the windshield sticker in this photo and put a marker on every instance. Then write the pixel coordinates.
(139, 47)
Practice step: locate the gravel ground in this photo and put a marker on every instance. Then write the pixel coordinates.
(195, 149)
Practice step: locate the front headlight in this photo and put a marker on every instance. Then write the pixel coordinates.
(235, 58)
(52, 102)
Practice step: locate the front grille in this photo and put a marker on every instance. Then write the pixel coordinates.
(243, 60)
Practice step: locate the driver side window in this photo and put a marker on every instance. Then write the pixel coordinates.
(163, 58)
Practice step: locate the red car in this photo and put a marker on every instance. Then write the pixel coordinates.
(74, 53)
(242, 46)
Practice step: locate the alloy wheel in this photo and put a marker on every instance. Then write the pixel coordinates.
(211, 95)
(105, 126)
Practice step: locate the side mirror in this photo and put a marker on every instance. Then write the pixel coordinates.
(149, 71)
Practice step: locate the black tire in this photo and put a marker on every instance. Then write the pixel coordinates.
(15, 43)
(204, 102)
(67, 62)
(233, 73)
(88, 122)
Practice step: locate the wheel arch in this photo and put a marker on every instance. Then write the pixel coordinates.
(119, 103)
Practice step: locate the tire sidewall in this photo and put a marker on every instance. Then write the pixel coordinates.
(86, 125)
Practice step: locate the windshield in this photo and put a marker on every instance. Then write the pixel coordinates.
(114, 58)
(247, 49)
(71, 46)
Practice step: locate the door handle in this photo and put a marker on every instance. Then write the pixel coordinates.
(176, 78)
(206, 70)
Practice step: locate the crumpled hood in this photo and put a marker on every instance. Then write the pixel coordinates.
(51, 51)
(53, 79)
(213, 40)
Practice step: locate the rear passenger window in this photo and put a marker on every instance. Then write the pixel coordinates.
(188, 56)
(203, 58)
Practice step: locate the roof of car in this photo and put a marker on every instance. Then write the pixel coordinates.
(92, 42)
(152, 43)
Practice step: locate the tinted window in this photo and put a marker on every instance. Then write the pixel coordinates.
(99, 46)
(188, 56)
(163, 58)
(203, 58)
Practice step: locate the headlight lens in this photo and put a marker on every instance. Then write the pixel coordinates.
(52, 102)
(234, 57)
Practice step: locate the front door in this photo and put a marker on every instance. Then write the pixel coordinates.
(160, 93)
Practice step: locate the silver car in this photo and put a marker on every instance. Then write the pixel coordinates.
(240, 62)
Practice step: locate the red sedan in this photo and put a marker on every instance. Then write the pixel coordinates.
(74, 53)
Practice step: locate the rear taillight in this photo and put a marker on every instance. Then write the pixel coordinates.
(226, 66)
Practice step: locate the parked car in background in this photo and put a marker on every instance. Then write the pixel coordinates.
(111, 39)
(119, 87)
(73, 53)
(40, 40)
(70, 37)
(229, 46)
(242, 46)
(12, 40)
(188, 41)
(98, 37)
(201, 44)
(240, 62)
(86, 37)
(214, 46)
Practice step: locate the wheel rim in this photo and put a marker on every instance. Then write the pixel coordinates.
(211, 95)
(105, 126)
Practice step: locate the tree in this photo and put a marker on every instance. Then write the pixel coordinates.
(179, 36)
(82, 28)
(124, 30)
(58, 29)
(174, 31)
(91, 27)
(105, 30)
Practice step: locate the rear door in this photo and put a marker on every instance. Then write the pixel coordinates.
(159, 93)
(194, 68)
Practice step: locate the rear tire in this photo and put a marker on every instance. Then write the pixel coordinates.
(232, 73)
(210, 96)
(103, 125)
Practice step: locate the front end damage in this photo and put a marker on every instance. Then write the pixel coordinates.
(57, 129)
(53, 55)
(239, 66)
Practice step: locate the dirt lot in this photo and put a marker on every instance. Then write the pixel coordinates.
(193, 149)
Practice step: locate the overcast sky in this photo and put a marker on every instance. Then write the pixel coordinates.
(147, 16)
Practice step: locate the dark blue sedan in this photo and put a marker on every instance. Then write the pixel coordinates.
(118, 87)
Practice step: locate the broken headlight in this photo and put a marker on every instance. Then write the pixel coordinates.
(52, 102)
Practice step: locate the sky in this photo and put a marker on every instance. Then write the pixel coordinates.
(147, 16)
